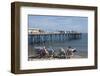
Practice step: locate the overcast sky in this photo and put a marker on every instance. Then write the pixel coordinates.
(55, 23)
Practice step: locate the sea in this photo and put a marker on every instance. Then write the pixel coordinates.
(80, 44)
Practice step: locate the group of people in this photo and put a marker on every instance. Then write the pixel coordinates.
(45, 53)
(68, 53)
(51, 53)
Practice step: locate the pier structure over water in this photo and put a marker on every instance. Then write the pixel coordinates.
(46, 37)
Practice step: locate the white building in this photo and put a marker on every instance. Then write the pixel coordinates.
(34, 30)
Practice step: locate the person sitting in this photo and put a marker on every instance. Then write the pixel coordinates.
(69, 52)
(51, 52)
(62, 53)
(46, 52)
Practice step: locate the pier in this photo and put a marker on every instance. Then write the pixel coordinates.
(46, 37)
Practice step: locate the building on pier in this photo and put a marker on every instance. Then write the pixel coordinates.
(35, 31)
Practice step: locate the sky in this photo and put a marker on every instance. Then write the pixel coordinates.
(56, 23)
